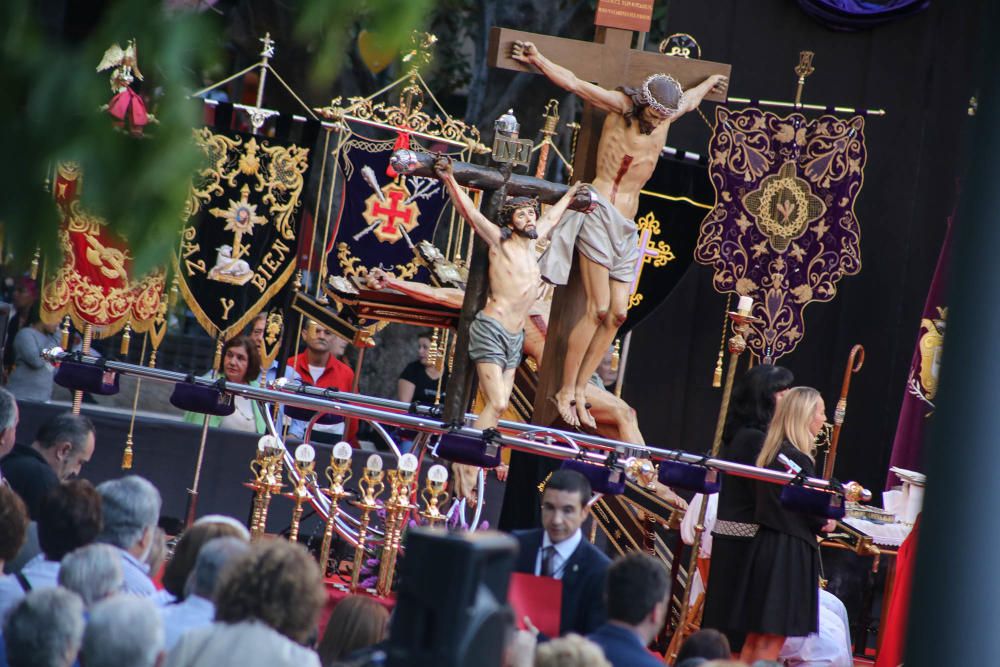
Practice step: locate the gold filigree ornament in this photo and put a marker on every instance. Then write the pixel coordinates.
(657, 253)
(784, 206)
(931, 344)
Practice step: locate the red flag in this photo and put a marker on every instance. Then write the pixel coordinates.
(922, 381)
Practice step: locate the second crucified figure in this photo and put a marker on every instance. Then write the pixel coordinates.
(606, 241)
(496, 337)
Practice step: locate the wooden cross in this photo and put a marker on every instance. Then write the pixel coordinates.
(610, 62)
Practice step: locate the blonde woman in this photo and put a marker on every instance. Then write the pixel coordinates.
(780, 595)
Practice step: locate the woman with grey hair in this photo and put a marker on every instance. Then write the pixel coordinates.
(44, 629)
(93, 572)
(123, 630)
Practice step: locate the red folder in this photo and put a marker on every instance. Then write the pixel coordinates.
(538, 598)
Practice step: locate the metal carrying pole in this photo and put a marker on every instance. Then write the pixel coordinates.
(516, 435)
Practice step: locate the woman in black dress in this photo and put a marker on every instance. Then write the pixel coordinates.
(750, 411)
(780, 597)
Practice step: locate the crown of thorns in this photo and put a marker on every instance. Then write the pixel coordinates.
(512, 204)
(647, 97)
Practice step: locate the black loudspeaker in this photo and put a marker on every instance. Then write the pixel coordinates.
(451, 608)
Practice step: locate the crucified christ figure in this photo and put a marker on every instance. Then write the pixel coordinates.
(606, 241)
(496, 336)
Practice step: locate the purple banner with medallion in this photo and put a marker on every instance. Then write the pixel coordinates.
(783, 230)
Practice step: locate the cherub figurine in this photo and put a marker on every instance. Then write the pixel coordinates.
(126, 105)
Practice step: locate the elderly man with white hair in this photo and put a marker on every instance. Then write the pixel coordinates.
(131, 508)
(123, 630)
(93, 572)
(198, 608)
(9, 417)
(44, 629)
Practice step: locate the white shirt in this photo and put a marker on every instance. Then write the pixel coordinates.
(193, 612)
(39, 572)
(136, 580)
(242, 418)
(562, 553)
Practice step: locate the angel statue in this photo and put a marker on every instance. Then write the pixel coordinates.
(126, 105)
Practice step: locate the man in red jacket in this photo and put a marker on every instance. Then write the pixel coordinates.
(318, 366)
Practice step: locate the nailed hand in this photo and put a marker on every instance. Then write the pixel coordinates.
(442, 166)
(523, 52)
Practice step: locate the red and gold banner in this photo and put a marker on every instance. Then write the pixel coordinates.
(92, 285)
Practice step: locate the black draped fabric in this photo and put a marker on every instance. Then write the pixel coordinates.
(737, 502)
(779, 593)
(522, 507)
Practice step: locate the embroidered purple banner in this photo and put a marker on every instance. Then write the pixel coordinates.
(783, 229)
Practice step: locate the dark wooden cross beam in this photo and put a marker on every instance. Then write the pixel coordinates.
(610, 62)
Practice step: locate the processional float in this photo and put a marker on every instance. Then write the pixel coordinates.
(607, 463)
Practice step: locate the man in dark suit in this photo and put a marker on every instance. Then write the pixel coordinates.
(559, 550)
(636, 595)
(61, 448)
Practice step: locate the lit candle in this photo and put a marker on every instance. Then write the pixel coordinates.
(745, 304)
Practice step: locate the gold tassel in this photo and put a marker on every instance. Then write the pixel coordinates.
(172, 299)
(218, 355)
(126, 338)
(717, 375)
(152, 359)
(616, 355)
(35, 261)
(127, 455)
(65, 334)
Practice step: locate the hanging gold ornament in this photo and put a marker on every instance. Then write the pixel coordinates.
(64, 343)
(174, 289)
(126, 338)
(434, 353)
(616, 355)
(717, 374)
(127, 454)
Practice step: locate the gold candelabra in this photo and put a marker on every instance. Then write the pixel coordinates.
(434, 494)
(266, 469)
(371, 488)
(338, 472)
(396, 510)
(305, 463)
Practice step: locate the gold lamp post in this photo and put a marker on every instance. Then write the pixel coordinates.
(305, 463)
(371, 488)
(396, 510)
(434, 494)
(338, 472)
(266, 469)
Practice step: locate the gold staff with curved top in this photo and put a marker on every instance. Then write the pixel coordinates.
(855, 360)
